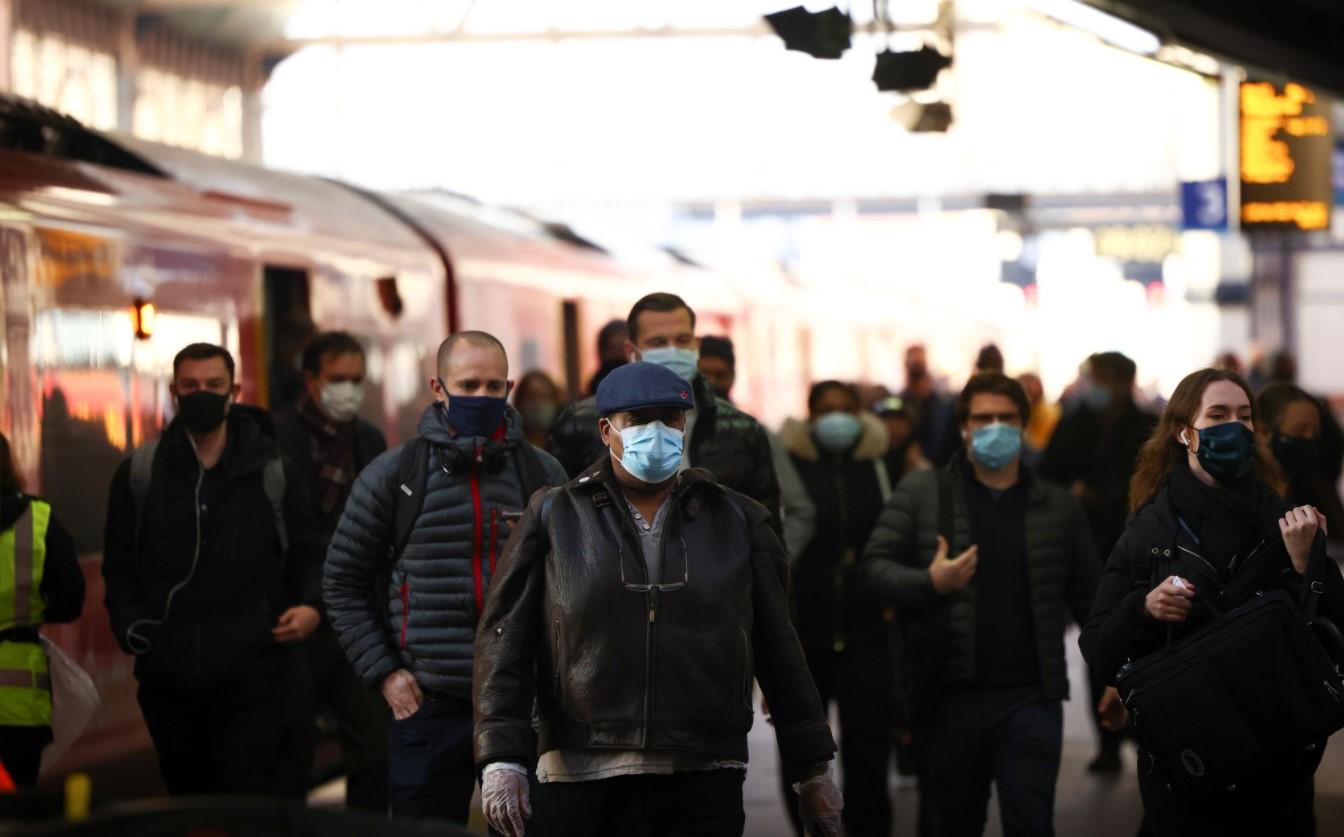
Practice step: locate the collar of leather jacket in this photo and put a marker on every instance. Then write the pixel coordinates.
(694, 485)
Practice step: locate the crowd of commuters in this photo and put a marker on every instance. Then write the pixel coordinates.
(570, 605)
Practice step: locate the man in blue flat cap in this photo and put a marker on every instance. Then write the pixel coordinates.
(635, 605)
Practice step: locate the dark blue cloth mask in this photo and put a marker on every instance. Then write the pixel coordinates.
(1226, 450)
(475, 415)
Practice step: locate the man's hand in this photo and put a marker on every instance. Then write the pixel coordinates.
(1111, 710)
(1171, 600)
(505, 799)
(1298, 528)
(948, 575)
(820, 806)
(296, 624)
(402, 694)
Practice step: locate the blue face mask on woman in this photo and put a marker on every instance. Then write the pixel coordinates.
(1226, 450)
(837, 431)
(651, 452)
(684, 363)
(995, 446)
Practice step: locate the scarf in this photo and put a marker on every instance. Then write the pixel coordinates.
(1229, 520)
(333, 449)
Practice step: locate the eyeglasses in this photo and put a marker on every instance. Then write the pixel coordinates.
(639, 587)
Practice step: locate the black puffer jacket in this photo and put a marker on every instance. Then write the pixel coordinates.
(833, 608)
(724, 441)
(1061, 562)
(1154, 547)
(419, 612)
(218, 627)
(616, 668)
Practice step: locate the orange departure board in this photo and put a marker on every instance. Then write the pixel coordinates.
(1286, 144)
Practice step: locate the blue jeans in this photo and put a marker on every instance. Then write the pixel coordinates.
(431, 772)
(1008, 736)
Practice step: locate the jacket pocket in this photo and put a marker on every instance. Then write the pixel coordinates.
(558, 660)
(742, 672)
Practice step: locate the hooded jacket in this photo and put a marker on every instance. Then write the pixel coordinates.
(614, 665)
(848, 489)
(212, 537)
(418, 610)
(724, 441)
(1062, 569)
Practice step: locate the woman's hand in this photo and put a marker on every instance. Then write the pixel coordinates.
(1171, 600)
(1298, 528)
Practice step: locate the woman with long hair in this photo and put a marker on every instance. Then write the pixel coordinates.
(40, 582)
(1204, 484)
(1292, 424)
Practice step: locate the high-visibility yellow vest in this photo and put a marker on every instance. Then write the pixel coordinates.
(25, 680)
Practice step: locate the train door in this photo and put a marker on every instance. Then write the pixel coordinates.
(288, 325)
(569, 312)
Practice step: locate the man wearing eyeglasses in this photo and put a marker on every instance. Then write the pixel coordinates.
(635, 605)
(982, 648)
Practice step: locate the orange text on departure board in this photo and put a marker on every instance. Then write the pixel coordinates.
(1265, 113)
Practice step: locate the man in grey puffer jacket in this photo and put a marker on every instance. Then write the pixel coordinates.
(406, 613)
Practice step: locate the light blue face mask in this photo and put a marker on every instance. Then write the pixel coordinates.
(684, 363)
(996, 446)
(652, 452)
(837, 431)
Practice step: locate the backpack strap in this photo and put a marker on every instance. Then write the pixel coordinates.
(883, 479)
(273, 482)
(142, 472)
(531, 470)
(409, 498)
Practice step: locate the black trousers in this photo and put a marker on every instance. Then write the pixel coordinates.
(433, 773)
(321, 678)
(858, 679)
(1009, 737)
(21, 752)
(222, 740)
(698, 803)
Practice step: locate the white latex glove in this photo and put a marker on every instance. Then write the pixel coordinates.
(505, 799)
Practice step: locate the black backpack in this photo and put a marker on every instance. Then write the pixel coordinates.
(413, 479)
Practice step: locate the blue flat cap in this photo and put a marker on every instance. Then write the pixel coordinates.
(640, 386)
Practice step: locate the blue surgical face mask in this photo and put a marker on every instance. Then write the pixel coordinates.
(1226, 450)
(651, 452)
(837, 431)
(996, 446)
(1096, 396)
(475, 415)
(684, 363)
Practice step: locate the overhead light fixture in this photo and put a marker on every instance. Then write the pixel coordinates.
(1109, 28)
(905, 72)
(824, 34)
(142, 319)
(917, 118)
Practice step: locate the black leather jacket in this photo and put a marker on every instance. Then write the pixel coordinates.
(614, 666)
(724, 441)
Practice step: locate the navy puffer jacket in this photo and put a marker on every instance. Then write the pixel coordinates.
(419, 611)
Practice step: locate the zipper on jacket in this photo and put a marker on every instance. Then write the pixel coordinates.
(838, 577)
(477, 538)
(648, 665)
(405, 609)
(494, 539)
(195, 561)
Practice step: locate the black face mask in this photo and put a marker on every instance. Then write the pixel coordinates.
(1297, 456)
(202, 411)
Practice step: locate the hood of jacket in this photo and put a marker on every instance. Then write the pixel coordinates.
(796, 437)
(434, 426)
(250, 445)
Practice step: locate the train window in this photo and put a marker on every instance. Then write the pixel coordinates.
(289, 325)
(569, 312)
(389, 296)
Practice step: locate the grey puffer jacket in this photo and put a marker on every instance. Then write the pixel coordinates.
(419, 611)
(1061, 560)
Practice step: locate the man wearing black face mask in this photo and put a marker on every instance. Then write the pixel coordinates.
(413, 557)
(211, 562)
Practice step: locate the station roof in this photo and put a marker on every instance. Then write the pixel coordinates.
(1297, 38)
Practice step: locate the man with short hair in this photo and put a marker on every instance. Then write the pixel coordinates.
(633, 608)
(328, 443)
(1024, 556)
(610, 352)
(720, 438)
(413, 557)
(211, 563)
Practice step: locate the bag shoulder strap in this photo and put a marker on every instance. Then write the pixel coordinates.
(883, 479)
(142, 472)
(409, 498)
(531, 470)
(273, 482)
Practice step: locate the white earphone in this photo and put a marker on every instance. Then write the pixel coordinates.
(1185, 440)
